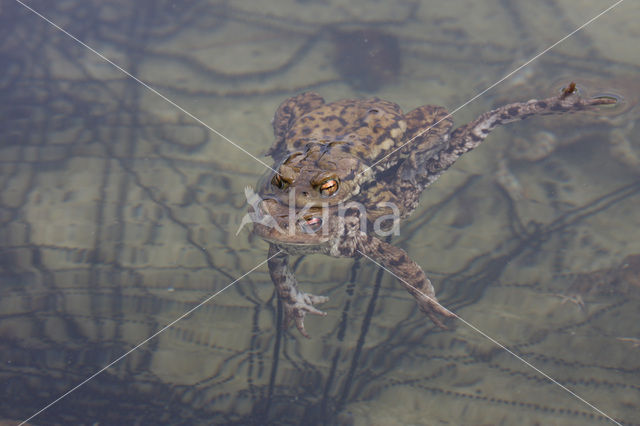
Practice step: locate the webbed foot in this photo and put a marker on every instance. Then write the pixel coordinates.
(302, 304)
(434, 310)
(296, 303)
(410, 275)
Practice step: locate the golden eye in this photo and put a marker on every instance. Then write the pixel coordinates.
(278, 182)
(328, 187)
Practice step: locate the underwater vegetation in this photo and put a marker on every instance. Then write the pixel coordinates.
(118, 214)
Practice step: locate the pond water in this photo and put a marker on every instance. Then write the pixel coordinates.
(120, 199)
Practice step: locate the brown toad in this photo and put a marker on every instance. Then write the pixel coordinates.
(340, 230)
(325, 150)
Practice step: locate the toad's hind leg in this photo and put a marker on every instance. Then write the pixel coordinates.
(467, 137)
(410, 274)
(296, 303)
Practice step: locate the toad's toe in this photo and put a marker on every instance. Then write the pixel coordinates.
(295, 312)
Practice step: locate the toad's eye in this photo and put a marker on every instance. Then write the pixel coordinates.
(278, 182)
(328, 187)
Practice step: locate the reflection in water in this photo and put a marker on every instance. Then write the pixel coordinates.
(367, 59)
(117, 215)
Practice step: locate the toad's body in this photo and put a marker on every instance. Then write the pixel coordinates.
(347, 141)
(367, 152)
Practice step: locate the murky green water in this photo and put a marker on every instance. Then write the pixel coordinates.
(118, 214)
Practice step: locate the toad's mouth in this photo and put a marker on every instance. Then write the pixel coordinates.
(298, 239)
(278, 223)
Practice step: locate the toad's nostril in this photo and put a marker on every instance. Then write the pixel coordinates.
(306, 194)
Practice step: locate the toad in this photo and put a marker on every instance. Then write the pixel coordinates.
(324, 153)
(398, 173)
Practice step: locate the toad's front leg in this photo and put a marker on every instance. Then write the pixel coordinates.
(410, 274)
(296, 303)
